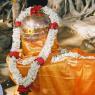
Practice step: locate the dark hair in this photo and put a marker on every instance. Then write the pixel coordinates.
(37, 2)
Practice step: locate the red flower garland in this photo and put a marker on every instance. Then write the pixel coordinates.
(40, 60)
(35, 9)
(18, 23)
(24, 90)
(53, 25)
(14, 53)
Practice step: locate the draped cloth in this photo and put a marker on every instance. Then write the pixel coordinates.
(73, 76)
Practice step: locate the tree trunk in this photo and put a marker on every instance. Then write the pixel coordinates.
(79, 9)
(77, 34)
(15, 9)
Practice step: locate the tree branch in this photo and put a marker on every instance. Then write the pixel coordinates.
(86, 7)
(90, 11)
(65, 8)
(15, 10)
(24, 4)
(3, 5)
(72, 8)
(93, 1)
(79, 4)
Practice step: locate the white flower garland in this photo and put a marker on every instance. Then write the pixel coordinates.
(61, 57)
(46, 50)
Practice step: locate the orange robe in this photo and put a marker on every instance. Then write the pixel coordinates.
(64, 78)
(69, 77)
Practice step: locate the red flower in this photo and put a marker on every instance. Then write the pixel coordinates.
(40, 60)
(14, 53)
(18, 23)
(35, 9)
(23, 89)
(53, 25)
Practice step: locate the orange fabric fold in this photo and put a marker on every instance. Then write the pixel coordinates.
(66, 79)
(70, 77)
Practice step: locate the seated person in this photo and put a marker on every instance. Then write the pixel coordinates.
(38, 66)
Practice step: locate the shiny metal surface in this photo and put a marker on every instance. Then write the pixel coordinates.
(35, 22)
(35, 26)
